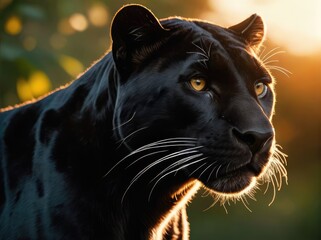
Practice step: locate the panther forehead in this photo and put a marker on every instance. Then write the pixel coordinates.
(206, 39)
(196, 30)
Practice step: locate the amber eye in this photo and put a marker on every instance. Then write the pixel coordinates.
(198, 84)
(260, 89)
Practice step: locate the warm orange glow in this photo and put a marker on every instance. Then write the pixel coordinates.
(294, 24)
(13, 25)
(98, 15)
(161, 228)
(78, 22)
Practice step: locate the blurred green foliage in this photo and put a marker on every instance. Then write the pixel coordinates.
(46, 44)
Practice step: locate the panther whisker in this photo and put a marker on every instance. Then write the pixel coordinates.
(196, 169)
(228, 166)
(271, 61)
(203, 62)
(266, 62)
(206, 192)
(184, 166)
(278, 169)
(212, 205)
(224, 208)
(272, 55)
(168, 141)
(209, 50)
(169, 145)
(275, 172)
(124, 123)
(143, 148)
(261, 52)
(279, 69)
(278, 161)
(267, 187)
(266, 55)
(165, 158)
(280, 156)
(275, 178)
(200, 48)
(205, 170)
(172, 139)
(217, 171)
(201, 54)
(250, 195)
(274, 191)
(205, 54)
(146, 155)
(122, 141)
(164, 146)
(184, 160)
(245, 202)
(245, 199)
(209, 176)
(159, 144)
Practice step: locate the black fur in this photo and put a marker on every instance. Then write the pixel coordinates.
(72, 164)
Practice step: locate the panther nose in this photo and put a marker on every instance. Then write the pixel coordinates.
(255, 140)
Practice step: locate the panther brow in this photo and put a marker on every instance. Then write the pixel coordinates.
(203, 52)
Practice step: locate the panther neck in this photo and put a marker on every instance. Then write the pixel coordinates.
(135, 209)
(76, 134)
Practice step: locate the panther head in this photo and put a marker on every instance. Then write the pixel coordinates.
(195, 97)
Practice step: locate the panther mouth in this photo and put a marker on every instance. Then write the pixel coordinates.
(238, 179)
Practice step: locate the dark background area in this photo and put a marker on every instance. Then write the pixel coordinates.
(43, 45)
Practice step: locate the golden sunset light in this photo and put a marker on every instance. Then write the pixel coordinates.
(293, 24)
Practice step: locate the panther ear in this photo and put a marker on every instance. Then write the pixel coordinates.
(133, 28)
(251, 29)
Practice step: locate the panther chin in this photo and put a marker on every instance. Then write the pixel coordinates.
(236, 183)
(233, 183)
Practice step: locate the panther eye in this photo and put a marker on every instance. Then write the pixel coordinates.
(260, 90)
(198, 84)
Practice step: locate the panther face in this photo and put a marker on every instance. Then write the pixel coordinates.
(202, 104)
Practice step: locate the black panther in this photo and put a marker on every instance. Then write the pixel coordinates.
(175, 105)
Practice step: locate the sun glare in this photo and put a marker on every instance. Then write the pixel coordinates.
(98, 15)
(293, 24)
(78, 22)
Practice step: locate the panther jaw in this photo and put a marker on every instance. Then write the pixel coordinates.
(272, 172)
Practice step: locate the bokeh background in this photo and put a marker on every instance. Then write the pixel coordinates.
(45, 44)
